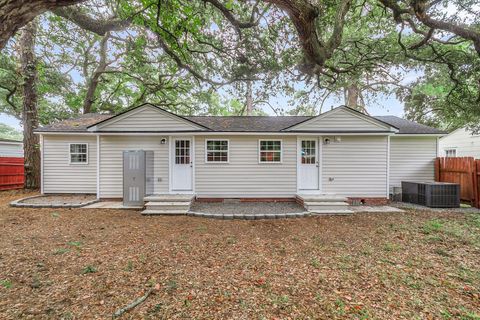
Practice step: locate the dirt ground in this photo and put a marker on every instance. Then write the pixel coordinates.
(87, 263)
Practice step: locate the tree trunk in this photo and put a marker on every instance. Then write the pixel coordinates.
(14, 14)
(249, 99)
(352, 96)
(95, 79)
(28, 66)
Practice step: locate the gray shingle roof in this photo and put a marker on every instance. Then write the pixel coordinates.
(409, 127)
(78, 124)
(251, 123)
(236, 123)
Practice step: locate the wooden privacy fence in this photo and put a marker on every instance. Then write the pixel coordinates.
(462, 170)
(11, 173)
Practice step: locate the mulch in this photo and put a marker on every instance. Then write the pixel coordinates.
(88, 263)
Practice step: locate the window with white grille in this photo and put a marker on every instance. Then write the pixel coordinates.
(78, 153)
(216, 150)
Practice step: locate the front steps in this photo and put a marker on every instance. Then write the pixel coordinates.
(168, 204)
(324, 204)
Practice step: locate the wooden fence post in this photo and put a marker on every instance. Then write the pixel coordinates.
(437, 169)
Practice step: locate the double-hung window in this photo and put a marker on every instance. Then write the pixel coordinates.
(78, 153)
(270, 151)
(216, 150)
(450, 153)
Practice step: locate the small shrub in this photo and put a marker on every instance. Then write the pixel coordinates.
(171, 285)
(431, 226)
(77, 244)
(55, 214)
(129, 267)
(61, 251)
(442, 252)
(315, 263)
(7, 284)
(89, 269)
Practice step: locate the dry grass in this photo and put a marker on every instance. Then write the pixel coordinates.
(85, 264)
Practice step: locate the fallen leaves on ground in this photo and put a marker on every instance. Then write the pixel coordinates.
(88, 263)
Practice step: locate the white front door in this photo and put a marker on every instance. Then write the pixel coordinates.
(308, 164)
(182, 177)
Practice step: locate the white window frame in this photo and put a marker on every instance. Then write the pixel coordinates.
(450, 149)
(228, 151)
(70, 154)
(260, 151)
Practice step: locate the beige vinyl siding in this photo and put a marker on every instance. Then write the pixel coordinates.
(148, 119)
(412, 158)
(244, 176)
(59, 176)
(465, 144)
(111, 163)
(11, 149)
(340, 120)
(357, 165)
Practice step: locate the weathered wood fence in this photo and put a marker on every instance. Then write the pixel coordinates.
(462, 170)
(11, 173)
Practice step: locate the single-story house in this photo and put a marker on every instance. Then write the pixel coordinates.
(460, 143)
(340, 152)
(11, 148)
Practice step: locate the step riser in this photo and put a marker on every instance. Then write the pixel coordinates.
(162, 207)
(332, 212)
(326, 207)
(165, 212)
(168, 199)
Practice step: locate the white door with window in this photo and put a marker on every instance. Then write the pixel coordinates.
(182, 169)
(308, 164)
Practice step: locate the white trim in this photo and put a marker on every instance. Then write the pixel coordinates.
(127, 114)
(98, 167)
(320, 168)
(218, 162)
(270, 162)
(236, 133)
(170, 165)
(374, 121)
(70, 154)
(388, 167)
(41, 162)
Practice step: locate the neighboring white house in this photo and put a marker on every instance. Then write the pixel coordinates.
(340, 152)
(11, 148)
(460, 143)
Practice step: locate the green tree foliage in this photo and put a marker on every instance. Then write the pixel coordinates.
(7, 132)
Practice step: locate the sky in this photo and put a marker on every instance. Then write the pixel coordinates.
(386, 105)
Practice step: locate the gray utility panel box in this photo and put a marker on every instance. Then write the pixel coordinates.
(137, 176)
(431, 194)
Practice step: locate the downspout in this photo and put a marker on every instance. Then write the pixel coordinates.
(41, 163)
(388, 168)
(98, 166)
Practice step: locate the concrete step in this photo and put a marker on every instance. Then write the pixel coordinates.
(152, 205)
(248, 216)
(312, 206)
(162, 207)
(321, 198)
(170, 198)
(164, 212)
(332, 212)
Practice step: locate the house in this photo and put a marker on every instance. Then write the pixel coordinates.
(341, 152)
(460, 143)
(11, 148)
